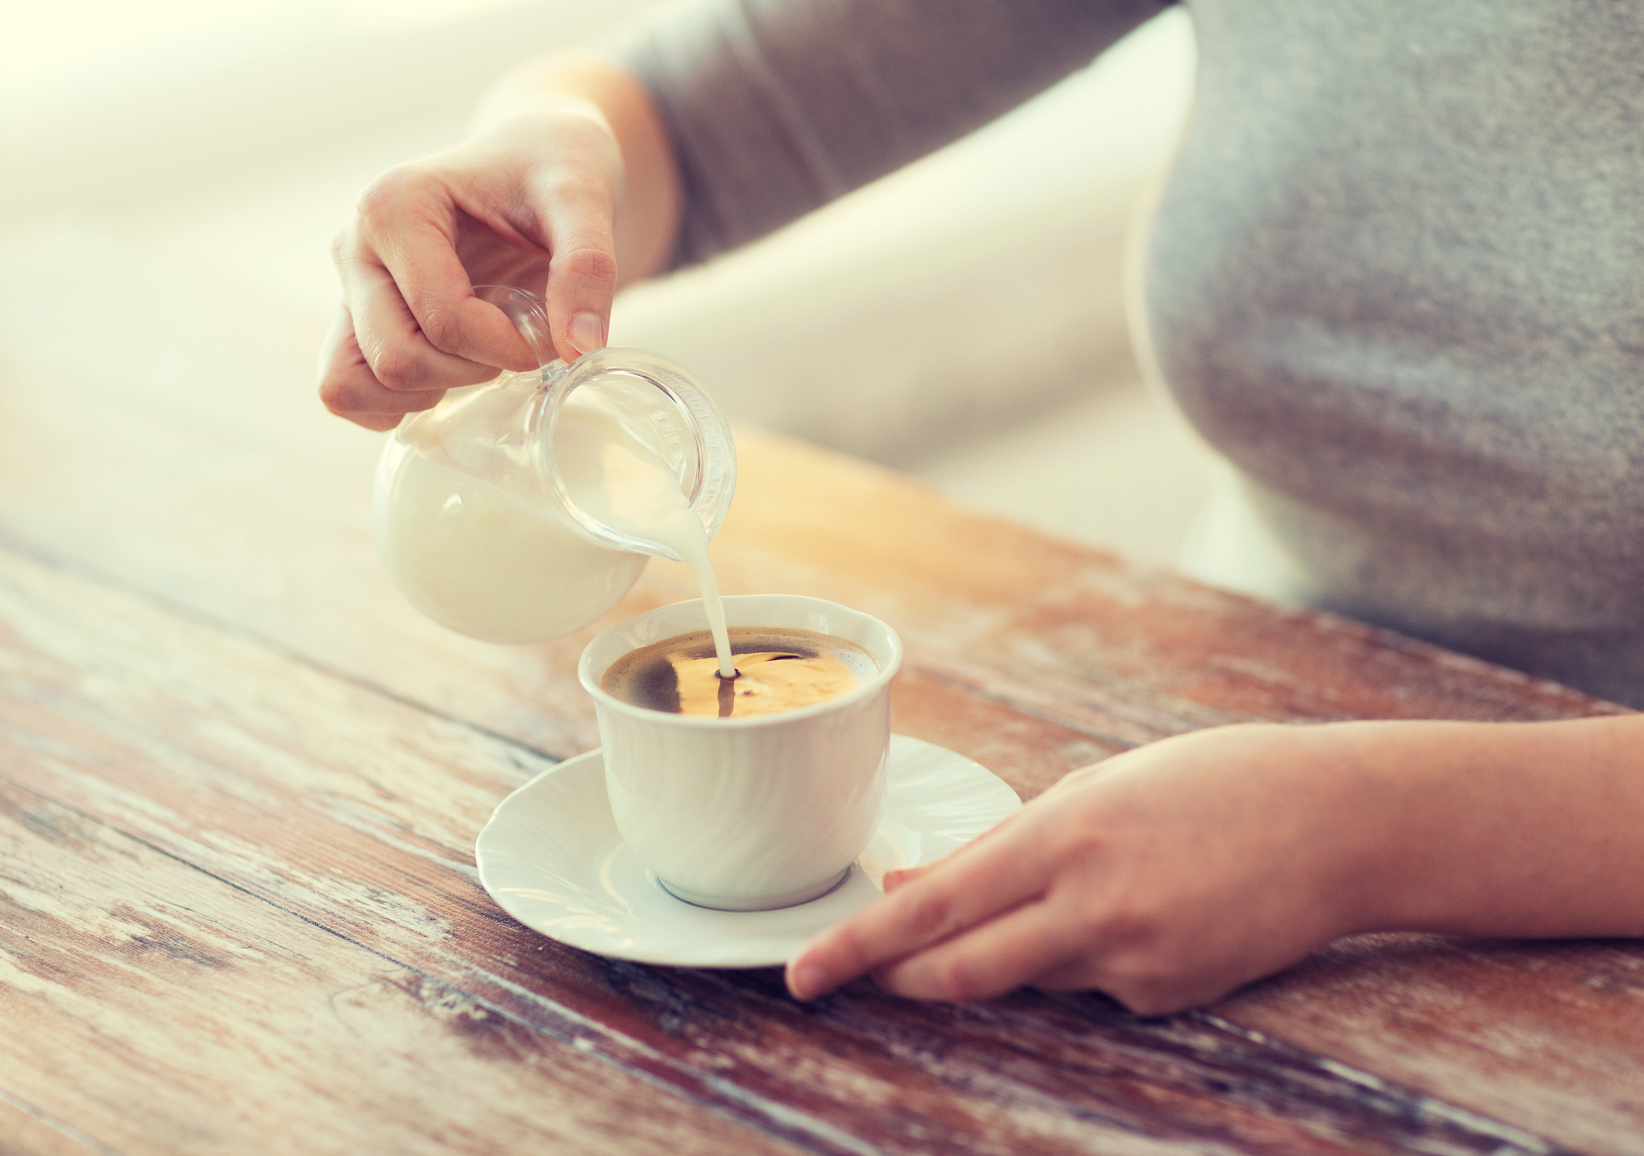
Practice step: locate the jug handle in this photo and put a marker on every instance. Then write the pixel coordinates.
(530, 316)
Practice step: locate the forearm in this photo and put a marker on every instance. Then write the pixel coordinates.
(1172, 874)
(779, 106)
(1500, 829)
(647, 221)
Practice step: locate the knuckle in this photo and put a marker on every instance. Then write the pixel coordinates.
(1146, 999)
(926, 911)
(1140, 984)
(1155, 980)
(334, 395)
(1082, 775)
(1077, 847)
(848, 951)
(381, 195)
(586, 263)
(1132, 920)
(956, 979)
(1061, 840)
(439, 323)
(395, 369)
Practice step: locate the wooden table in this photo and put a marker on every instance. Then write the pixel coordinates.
(240, 783)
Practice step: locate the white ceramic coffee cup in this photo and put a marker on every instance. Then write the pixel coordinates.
(746, 814)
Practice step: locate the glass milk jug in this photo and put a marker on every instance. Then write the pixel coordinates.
(475, 518)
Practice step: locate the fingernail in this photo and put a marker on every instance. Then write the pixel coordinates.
(807, 979)
(586, 332)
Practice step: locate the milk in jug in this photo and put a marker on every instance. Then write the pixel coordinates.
(522, 509)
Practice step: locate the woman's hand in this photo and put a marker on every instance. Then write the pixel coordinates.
(1174, 873)
(573, 165)
(532, 202)
(1166, 877)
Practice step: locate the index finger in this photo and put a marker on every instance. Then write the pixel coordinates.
(954, 894)
(408, 221)
(437, 290)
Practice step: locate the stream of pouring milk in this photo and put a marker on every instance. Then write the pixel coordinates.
(617, 479)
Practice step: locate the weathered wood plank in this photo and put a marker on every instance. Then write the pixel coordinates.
(26, 1133)
(1565, 1016)
(157, 1008)
(353, 813)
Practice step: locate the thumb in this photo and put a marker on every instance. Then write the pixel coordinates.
(582, 273)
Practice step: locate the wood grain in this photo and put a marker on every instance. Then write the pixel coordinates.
(25, 1132)
(162, 1009)
(268, 810)
(201, 658)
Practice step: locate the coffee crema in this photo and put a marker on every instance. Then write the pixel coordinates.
(778, 668)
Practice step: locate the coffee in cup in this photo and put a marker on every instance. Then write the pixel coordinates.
(746, 811)
(777, 669)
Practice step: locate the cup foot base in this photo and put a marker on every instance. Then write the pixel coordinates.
(756, 902)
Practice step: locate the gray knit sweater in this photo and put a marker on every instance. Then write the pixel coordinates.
(1397, 276)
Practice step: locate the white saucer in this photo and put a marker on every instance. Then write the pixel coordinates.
(551, 857)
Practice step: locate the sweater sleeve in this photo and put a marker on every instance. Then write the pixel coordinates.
(778, 106)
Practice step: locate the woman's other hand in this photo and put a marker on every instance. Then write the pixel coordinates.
(1166, 877)
(1174, 873)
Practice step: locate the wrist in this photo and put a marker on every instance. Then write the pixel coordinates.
(651, 191)
(1501, 829)
(1394, 829)
(560, 80)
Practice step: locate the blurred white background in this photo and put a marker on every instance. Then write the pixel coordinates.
(962, 320)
